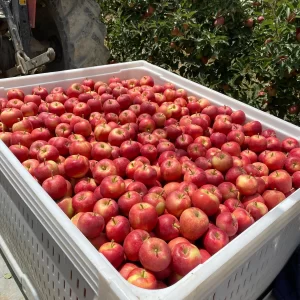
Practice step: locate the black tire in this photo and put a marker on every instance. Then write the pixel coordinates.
(75, 25)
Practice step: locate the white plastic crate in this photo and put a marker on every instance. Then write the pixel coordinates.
(53, 260)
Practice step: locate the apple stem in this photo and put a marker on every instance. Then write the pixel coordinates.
(114, 221)
(112, 243)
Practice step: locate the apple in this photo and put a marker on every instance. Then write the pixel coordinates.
(253, 198)
(183, 141)
(143, 216)
(65, 204)
(117, 228)
(85, 184)
(84, 201)
(177, 202)
(296, 179)
(76, 166)
(142, 278)
(21, 152)
(126, 269)
(236, 136)
(228, 223)
(113, 252)
(171, 170)
(228, 190)
(107, 208)
(24, 125)
(167, 227)
(214, 177)
(193, 223)
(244, 219)
(47, 152)
(55, 186)
(206, 201)
(90, 224)
(280, 180)
(233, 204)
(30, 165)
(218, 139)
(273, 144)
(257, 210)
(292, 164)
(252, 128)
(203, 163)
(274, 160)
(45, 170)
(222, 161)
(154, 254)
(185, 257)
(233, 173)
(246, 184)
(40, 134)
(138, 187)
(10, 116)
(102, 169)
(289, 143)
(112, 186)
(157, 201)
(5, 137)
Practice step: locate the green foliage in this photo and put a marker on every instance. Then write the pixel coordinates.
(259, 64)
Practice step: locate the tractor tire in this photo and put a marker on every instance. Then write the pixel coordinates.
(75, 29)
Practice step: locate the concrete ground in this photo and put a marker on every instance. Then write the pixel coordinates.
(9, 289)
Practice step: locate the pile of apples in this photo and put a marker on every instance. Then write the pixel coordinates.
(158, 181)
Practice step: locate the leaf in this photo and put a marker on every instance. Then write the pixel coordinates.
(7, 276)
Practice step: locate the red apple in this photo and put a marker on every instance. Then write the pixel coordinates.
(280, 180)
(244, 219)
(257, 210)
(247, 185)
(142, 278)
(90, 224)
(214, 240)
(55, 186)
(113, 252)
(228, 223)
(112, 186)
(193, 223)
(107, 208)
(177, 202)
(117, 228)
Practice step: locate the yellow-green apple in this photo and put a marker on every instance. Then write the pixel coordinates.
(167, 227)
(193, 223)
(227, 222)
(244, 219)
(112, 186)
(142, 278)
(55, 186)
(177, 202)
(117, 228)
(257, 210)
(65, 204)
(233, 204)
(107, 208)
(21, 152)
(185, 257)
(280, 180)
(45, 170)
(133, 242)
(247, 185)
(84, 201)
(113, 252)
(215, 239)
(143, 216)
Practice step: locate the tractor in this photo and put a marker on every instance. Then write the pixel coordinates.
(50, 35)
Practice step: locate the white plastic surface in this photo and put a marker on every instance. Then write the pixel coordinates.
(62, 264)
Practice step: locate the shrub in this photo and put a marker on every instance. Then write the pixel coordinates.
(249, 50)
